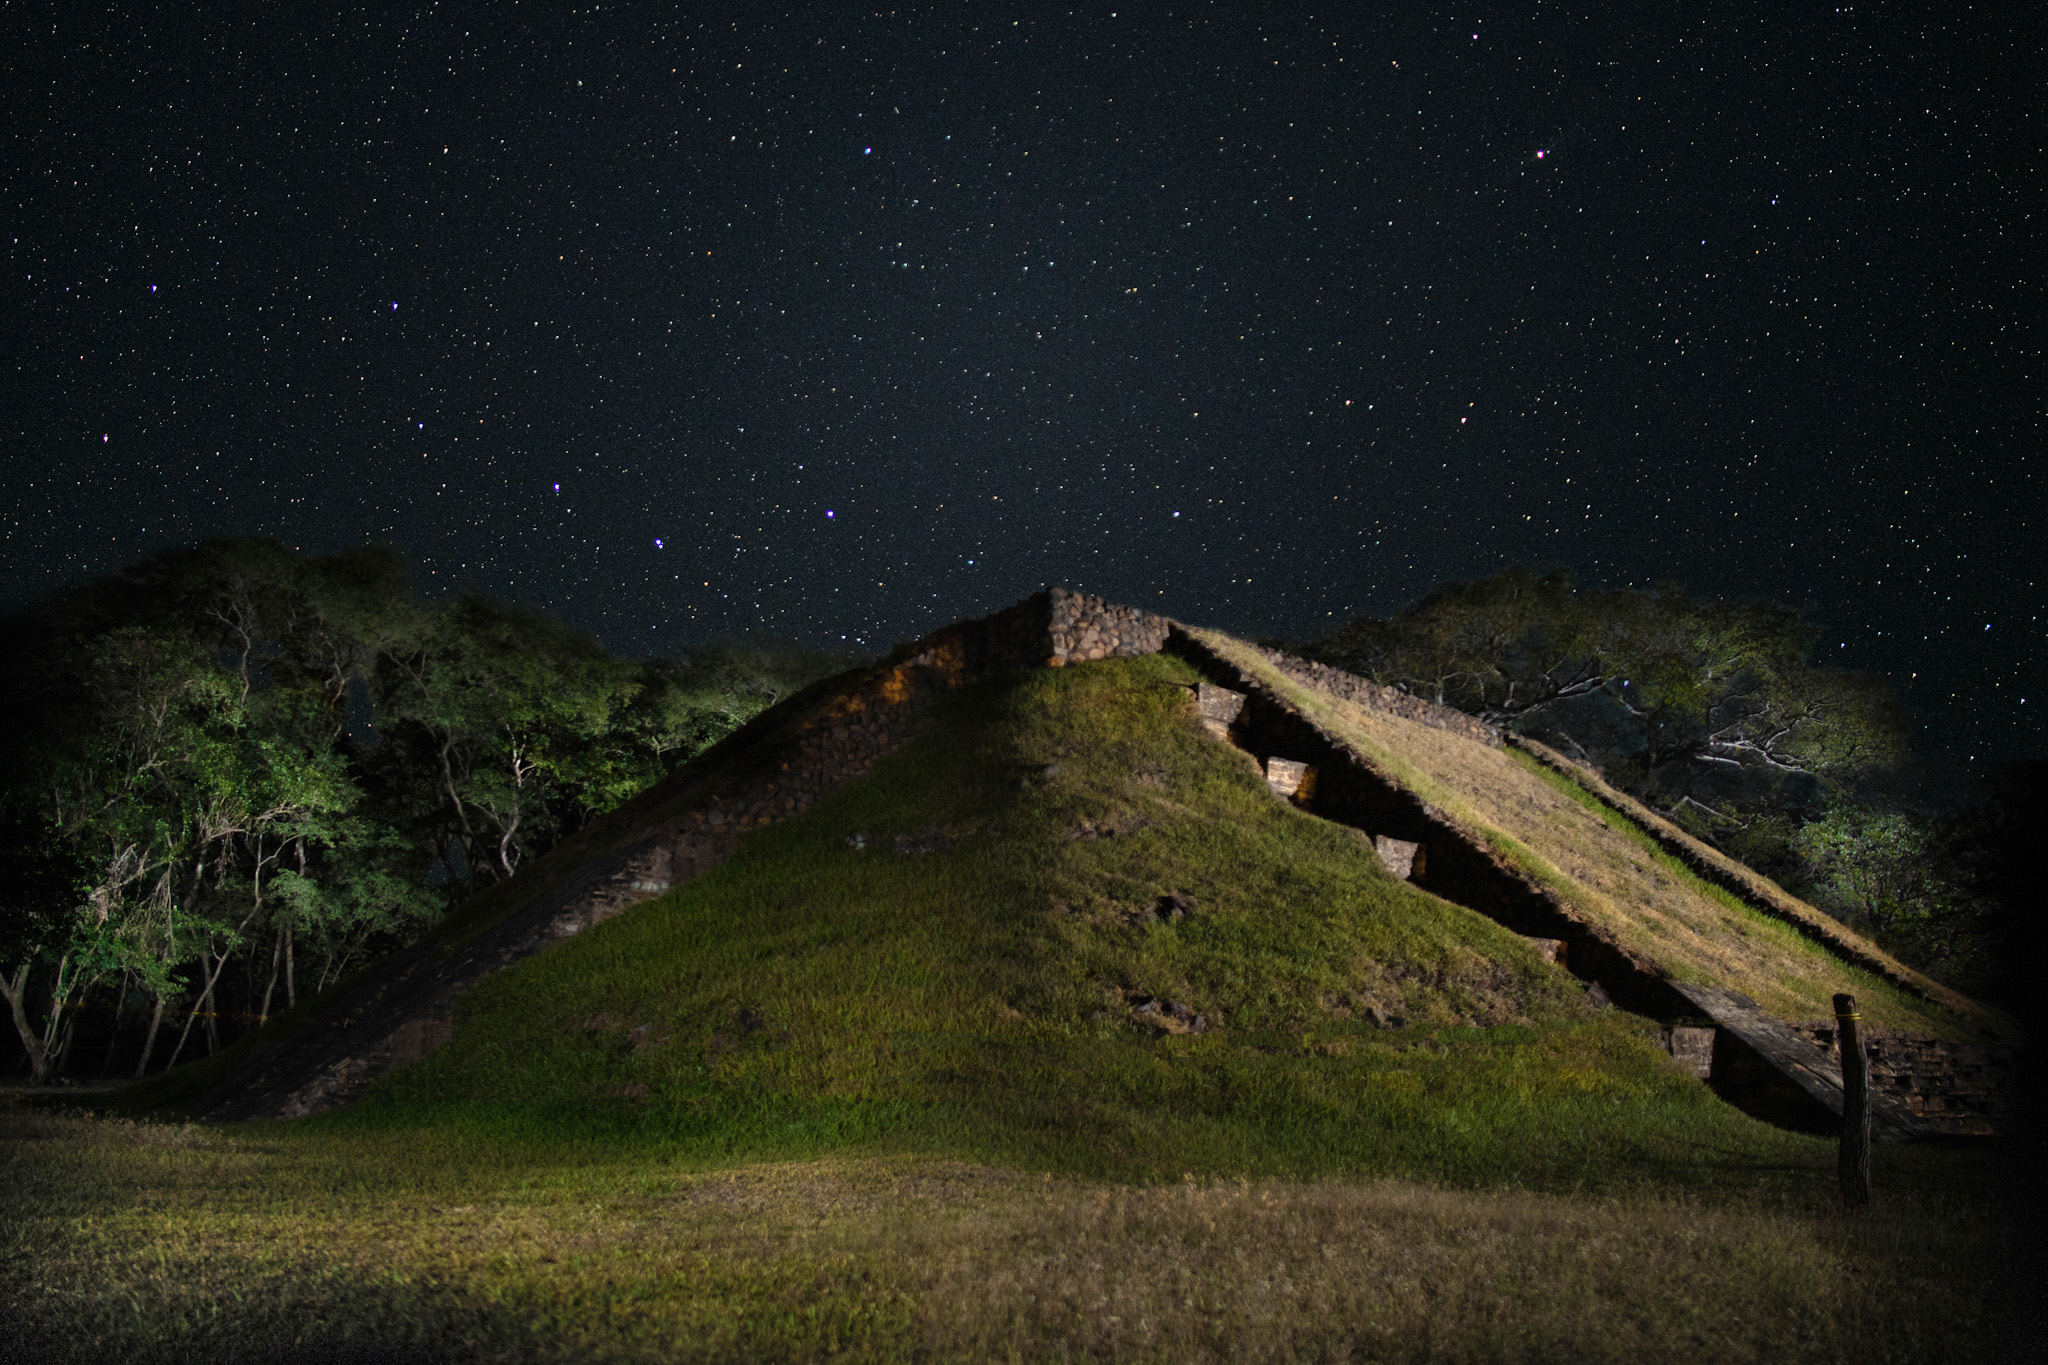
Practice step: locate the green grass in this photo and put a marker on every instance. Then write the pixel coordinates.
(1929, 1015)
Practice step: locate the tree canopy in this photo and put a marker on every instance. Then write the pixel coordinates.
(235, 770)
(1650, 680)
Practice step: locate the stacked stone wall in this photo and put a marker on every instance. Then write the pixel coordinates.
(774, 768)
(1374, 696)
(1773, 1071)
(877, 714)
(1761, 1066)
(1082, 628)
(1955, 1089)
(1457, 866)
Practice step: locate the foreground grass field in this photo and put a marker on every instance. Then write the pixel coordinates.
(915, 1076)
(140, 1242)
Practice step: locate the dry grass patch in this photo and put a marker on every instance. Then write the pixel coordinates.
(139, 1244)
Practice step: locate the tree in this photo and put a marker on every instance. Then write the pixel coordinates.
(43, 884)
(1720, 713)
(1896, 875)
(509, 710)
(191, 762)
(681, 708)
(1654, 681)
(233, 769)
(1502, 647)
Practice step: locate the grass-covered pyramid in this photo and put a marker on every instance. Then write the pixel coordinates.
(1058, 916)
(1065, 927)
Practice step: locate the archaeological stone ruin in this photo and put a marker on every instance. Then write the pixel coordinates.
(786, 760)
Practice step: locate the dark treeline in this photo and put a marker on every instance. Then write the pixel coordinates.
(233, 774)
(1719, 715)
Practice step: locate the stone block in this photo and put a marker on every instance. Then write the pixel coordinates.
(1292, 779)
(1549, 949)
(1218, 707)
(1693, 1048)
(1404, 859)
(416, 1039)
(1168, 1016)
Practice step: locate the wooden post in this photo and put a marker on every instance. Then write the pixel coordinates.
(1852, 1165)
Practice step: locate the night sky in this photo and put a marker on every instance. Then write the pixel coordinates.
(831, 324)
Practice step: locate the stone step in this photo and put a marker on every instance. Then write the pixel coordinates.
(1770, 1070)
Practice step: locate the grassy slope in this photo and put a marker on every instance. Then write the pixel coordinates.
(1645, 825)
(1614, 875)
(809, 996)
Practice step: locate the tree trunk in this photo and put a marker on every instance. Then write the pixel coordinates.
(291, 994)
(53, 1026)
(276, 961)
(15, 988)
(448, 778)
(214, 1007)
(205, 995)
(156, 1019)
(183, 1034)
(249, 978)
(120, 1022)
(67, 1034)
(212, 976)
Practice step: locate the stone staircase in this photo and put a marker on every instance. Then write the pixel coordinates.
(1785, 1073)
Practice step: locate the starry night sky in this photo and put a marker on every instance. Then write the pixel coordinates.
(833, 323)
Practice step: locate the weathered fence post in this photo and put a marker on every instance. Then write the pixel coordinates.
(1852, 1165)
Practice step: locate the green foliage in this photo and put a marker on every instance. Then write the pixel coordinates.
(1505, 645)
(682, 708)
(1717, 713)
(43, 883)
(511, 711)
(1890, 872)
(192, 739)
(1684, 681)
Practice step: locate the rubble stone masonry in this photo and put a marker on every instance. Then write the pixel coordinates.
(1376, 697)
(1082, 629)
(1956, 1089)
